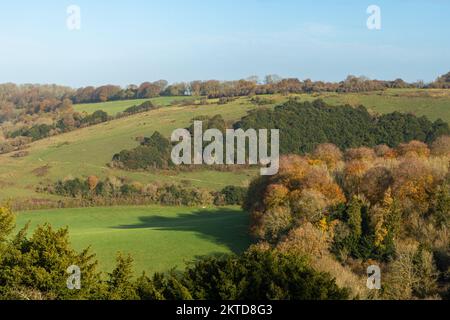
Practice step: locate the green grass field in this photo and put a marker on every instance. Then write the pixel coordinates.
(158, 238)
(114, 107)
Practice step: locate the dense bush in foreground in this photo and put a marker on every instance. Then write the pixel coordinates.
(35, 268)
(255, 275)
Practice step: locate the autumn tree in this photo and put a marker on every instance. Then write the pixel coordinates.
(392, 197)
(92, 182)
(441, 147)
(413, 148)
(411, 275)
(413, 182)
(353, 176)
(383, 151)
(375, 183)
(361, 154)
(329, 154)
(301, 191)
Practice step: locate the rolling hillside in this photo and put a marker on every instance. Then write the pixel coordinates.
(87, 151)
(432, 103)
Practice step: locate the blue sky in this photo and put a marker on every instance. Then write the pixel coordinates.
(124, 42)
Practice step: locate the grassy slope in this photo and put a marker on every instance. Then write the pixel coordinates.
(158, 238)
(115, 107)
(87, 151)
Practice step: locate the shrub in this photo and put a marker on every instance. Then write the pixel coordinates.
(144, 107)
(260, 275)
(233, 195)
(36, 132)
(35, 267)
(97, 117)
(154, 152)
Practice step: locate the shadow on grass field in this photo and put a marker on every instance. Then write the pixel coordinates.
(158, 238)
(214, 225)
